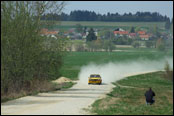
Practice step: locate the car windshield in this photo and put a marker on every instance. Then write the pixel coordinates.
(94, 75)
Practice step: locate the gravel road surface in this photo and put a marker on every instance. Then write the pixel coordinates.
(68, 102)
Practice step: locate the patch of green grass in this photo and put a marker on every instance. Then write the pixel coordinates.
(147, 80)
(131, 101)
(107, 24)
(99, 24)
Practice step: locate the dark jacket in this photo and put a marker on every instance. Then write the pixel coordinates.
(149, 95)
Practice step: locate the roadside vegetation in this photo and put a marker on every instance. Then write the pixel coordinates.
(168, 74)
(28, 60)
(37, 87)
(127, 98)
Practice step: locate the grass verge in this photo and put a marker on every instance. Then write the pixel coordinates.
(127, 98)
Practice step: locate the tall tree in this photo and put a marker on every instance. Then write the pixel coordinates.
(167, 24)
(132, 30)
(171, 26)
(91, 35)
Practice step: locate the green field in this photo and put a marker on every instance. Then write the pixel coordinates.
(97, 24)
(74, 60)
(94, 23)
(125, 100)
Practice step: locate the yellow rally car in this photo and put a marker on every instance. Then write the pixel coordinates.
(94, 79)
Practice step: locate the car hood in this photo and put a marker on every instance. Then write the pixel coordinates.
(94, 78)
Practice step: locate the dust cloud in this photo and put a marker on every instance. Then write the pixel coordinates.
(113, 71)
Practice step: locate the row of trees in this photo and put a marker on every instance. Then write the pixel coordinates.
(97, 45)
(81, 15)
(108, 45)
(91, 46)
(25, 55)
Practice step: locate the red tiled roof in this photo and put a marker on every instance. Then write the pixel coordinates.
(121, 32)
(51, 33)
(132, 34)
(144, 36)
(46, 32)
(141, 32)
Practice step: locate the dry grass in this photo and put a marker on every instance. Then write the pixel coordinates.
(168, 75)
(105, 103)
(169, 96)
(32, 88)
(168, 72)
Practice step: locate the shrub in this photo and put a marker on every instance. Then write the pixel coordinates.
(136, 44)
(161, 47)
(168, 72)
(149, 44)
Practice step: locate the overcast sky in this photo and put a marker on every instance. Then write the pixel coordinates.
(102, 7)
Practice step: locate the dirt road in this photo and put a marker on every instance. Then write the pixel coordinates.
(69, 102)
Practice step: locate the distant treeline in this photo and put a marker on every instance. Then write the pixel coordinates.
(80, 15)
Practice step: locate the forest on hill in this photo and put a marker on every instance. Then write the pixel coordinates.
(84, 15)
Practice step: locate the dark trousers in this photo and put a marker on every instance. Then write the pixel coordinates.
(151, 102)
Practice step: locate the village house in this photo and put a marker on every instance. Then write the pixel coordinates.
(144, 37)
(120, 32)
(132, 35)
(46, 32)
(84, 36)
(141, 32)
